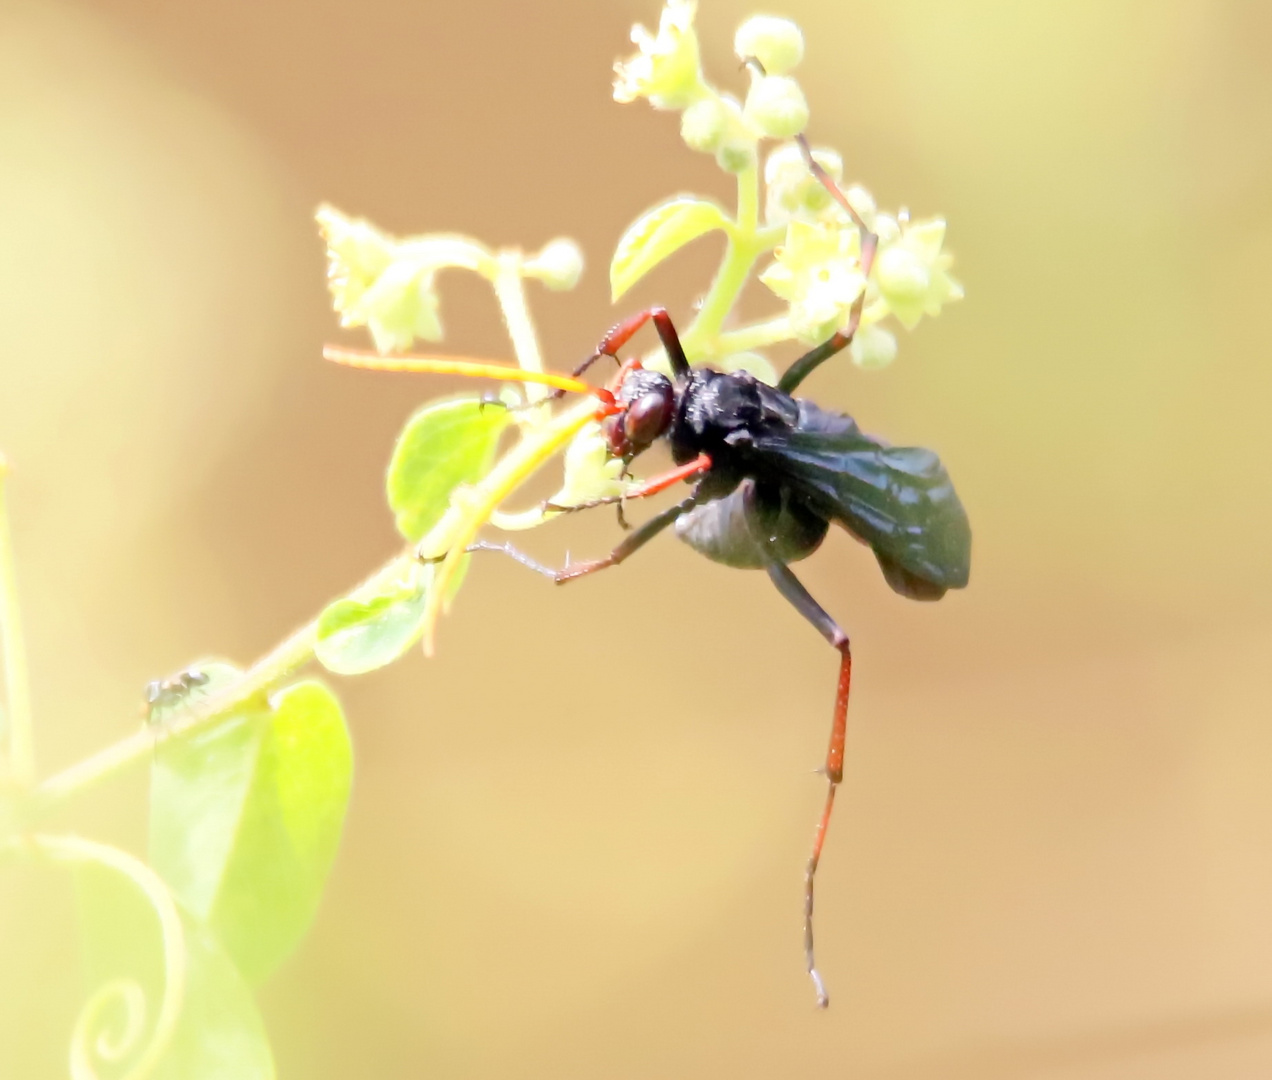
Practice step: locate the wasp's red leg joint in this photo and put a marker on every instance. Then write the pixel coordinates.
(624, 331)
(654, 484)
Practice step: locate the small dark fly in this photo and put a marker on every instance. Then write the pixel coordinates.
(770, 472)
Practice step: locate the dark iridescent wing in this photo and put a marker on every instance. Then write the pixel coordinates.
(898, 499)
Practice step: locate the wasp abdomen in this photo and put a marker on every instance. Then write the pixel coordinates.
(753, 527)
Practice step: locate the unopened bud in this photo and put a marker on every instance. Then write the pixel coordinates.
(735, 155)
(776, 43)
(558, 265)
(872, 348)
(703, 125)
(776, 105)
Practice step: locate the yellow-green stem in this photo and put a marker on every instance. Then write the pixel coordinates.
(266, 673)
(459, 525)
(20, 741)
(740, 255)
(511, 294)
(298, 649)
(755, 336)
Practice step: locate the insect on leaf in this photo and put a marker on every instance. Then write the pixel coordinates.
(445, 444)
(213, 676)
(660, 232)
(245, 819)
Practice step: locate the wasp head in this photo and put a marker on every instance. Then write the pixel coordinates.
(646, 400)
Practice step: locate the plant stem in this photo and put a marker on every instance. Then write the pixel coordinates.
(459, 525)
(298, 650)
(755, 336)
(700, 339)
(293, 653)
(21, 744)
(511, 294)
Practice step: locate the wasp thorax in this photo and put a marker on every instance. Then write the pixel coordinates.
(647, 399)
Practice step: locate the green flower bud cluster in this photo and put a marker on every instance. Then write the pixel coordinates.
(667, 71)
(837, 267)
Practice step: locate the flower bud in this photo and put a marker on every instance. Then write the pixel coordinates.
(735, 155)
(703, 125)
(775, 43)
(776, 105)
(558, 265)
(872, 348)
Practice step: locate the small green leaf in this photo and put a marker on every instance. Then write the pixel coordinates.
(375, 625)
(445, 444)
(660, 232)
(198, 786)
(245, 819)
(219, 1032)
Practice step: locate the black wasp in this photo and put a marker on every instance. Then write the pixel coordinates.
(771, 472)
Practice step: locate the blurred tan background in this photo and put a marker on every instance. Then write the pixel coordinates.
(577, 835)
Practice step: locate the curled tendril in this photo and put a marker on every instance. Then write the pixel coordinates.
(111, 1026)
(96, 1037)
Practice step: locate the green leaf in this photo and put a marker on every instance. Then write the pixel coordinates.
(219, 1032)
(658, 233)
(445, 444)
(245, 819)
(375, 625)
(381, 620)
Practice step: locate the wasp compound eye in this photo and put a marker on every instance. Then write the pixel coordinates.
(615, 436)
(647, 417)
(648, 399)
